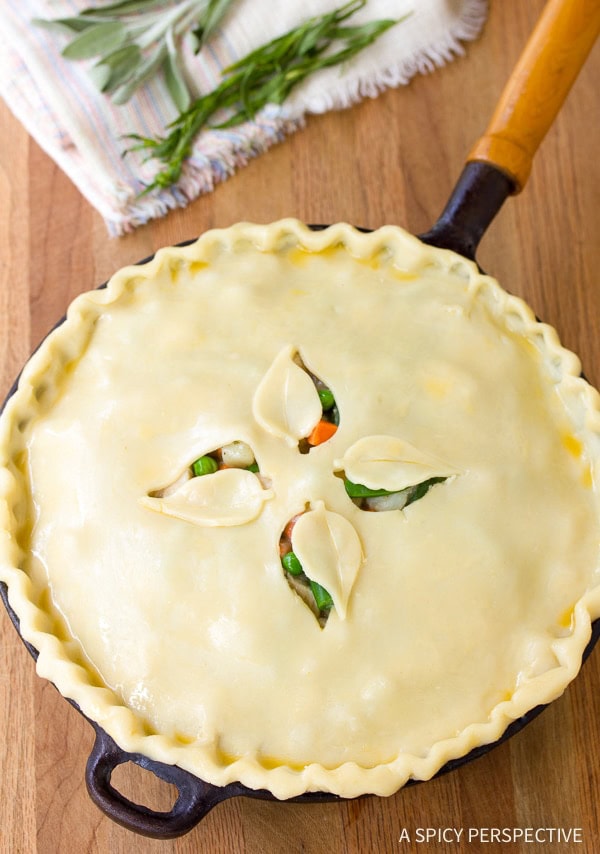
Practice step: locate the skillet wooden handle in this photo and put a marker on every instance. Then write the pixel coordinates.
(540, 82)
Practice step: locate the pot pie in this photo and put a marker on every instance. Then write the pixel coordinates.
(157, 472)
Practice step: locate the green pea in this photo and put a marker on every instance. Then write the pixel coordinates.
(327, 399)
(322, 597)
(291, 564)
(253, 467)
(204, 465)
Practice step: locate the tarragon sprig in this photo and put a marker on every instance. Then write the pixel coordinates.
(265, 76)
(135, 39)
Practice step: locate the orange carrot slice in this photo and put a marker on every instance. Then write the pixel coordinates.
(287, 531)
(322, 432)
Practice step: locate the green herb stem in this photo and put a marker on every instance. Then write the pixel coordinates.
(267, 75)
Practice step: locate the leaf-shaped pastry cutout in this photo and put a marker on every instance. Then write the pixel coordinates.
(226, 498)
(286, 402)
(386, 462)
(330, 552)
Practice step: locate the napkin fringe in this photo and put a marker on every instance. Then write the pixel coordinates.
(467, 28)
(202, 173)
(273, 124)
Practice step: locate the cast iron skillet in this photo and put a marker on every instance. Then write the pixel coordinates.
(497, 167)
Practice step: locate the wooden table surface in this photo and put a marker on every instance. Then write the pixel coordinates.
(393, 159)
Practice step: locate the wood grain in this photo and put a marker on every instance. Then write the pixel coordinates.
(393, 159)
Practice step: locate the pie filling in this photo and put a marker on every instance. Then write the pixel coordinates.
(187, 495)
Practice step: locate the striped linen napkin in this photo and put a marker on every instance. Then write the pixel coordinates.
(83, 132)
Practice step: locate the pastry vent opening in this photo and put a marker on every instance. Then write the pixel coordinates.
(232, 455)
(220, 488)
(329, 419)
(294, 403)
(314, 595)
(321, 556)
(384, 500)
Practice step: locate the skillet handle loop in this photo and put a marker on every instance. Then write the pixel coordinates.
(195, 798)
(538, 86)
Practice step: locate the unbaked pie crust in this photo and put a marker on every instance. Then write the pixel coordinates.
(167, 617)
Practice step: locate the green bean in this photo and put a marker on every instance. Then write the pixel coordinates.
(422, 489)
(204, 465)
(291, 564)
(322, 597)
(358, 490)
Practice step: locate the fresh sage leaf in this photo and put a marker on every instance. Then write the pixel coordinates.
(174, 76)
(146, 69)
(76, 25)
(267, 75)
(100, 75)
(125, 7)
(145, 25)
(122, 64)
(96, 39)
